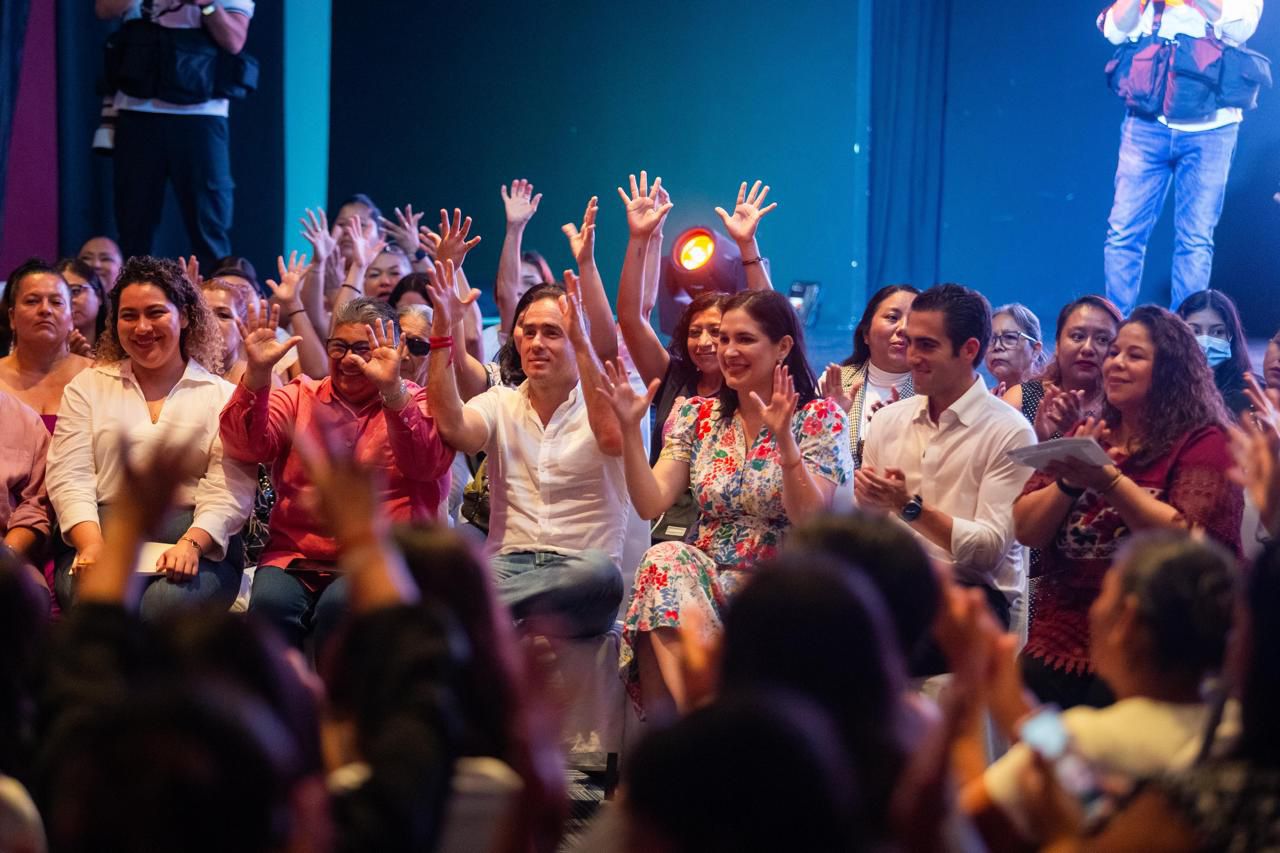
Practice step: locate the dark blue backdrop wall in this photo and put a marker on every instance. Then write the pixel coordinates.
(1031, 137)
(438, 104)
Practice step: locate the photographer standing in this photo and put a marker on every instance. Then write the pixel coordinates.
(172, 65)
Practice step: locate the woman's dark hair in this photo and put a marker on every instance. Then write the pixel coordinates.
(505, 714)
(1052, 370)
(966, 314)
(1182, 397)
(32, 266)
(773, 312)
(808, 624)
(201, 340)
(362, 198)
(1185, 592)
(862, 349)
(508, 356)
(1230, 373)
(891, 557)
(237, 265)
(1259, 740)
(683, 370)
(82, 270)
(414, 282)
(531, 256)
(751, 773)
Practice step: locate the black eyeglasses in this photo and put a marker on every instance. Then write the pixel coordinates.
(1009, 340)
(416, 345)
(338, 349)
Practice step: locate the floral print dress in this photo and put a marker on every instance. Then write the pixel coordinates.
(736, 481)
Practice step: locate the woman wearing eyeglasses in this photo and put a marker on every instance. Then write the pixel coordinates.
(363, 408)
(88, 303)
(1069, 389)
(1016, 353)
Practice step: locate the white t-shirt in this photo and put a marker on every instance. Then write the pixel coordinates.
(1136, 738)
(880, 386)
(184, 17)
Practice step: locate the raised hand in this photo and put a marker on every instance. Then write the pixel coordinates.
(382, 367)
(364, 248)
(261, 347)
(1255, 444)
(191, 268)
(404, 231)
(286, 291)
(747, 213)
(644, 214)
(582, 241)
(520, 203)
(448, 306)
(831, 386)
(315, 228)
(345, 494)
(662, 200)
(454, 245)
(571, 313)
(894, 397)
(615, 386)
(778, 413)
(428, 241)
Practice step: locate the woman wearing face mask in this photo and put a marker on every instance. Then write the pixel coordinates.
(88, 303)
(1070, 387)
(38, 306)
(1164, 428)
(1215, 321)
(1016, 353)
(156, 380)
(765, 453)
(877, 373)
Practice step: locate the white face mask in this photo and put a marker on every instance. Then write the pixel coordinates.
(1216, 350)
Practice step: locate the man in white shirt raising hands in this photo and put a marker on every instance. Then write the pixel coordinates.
(938, 461)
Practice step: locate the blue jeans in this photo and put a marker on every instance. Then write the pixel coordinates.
(566, 595)
(299, 603)
(1152, 156)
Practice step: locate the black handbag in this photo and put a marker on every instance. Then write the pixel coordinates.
(678, 522)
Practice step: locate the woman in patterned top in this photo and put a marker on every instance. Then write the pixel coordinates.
(1072, 381)
(877, 373)
(1164, 430)
(764, 454)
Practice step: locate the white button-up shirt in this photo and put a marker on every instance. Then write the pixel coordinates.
(103, 403)
(551, 488)
(960, 465)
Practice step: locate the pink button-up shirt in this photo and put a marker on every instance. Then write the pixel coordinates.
(404, 447)
(23, 444)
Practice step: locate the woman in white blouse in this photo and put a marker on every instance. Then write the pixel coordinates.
(156, 380)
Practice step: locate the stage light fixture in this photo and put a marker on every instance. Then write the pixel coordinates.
(701, 260)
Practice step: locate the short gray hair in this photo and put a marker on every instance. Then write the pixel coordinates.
(1029, 323)
(363, 311)
(423, 311)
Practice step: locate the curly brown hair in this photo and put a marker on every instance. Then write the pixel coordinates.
(200, 341)
(1183, 396)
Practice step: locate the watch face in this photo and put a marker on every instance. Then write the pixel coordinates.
(913, 509)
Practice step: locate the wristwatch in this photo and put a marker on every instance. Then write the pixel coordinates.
(420, 255)
(209, 8)
(912, 510)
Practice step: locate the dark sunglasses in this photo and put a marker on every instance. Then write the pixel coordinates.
(415, 345)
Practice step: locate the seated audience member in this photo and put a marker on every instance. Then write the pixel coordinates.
(155, 378)
(1158, 629)
(1214, 320)
(756, 468)
(1070, 387)
(763, 773)
(384, 273)
(1255, 444)
(688, 366)
(363, 403)
(505, 715)
(1016, 352)
(88, 303)
(877, 373)
(410, 290)
(24, 512)
(891, 557)
(37, 304)
(1224, 803)
(103, 255)
(1163, 424)
(557, 495)
(939, 462)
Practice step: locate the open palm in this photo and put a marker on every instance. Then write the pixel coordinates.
(747, 213)
(261, 347)
(644, 214)
(615, 386)
(778, 413)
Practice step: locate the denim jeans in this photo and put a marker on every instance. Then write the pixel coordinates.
(567, 595)
(299, 603)
(1151, 157)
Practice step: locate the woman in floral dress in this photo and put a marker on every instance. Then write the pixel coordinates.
(763, 454)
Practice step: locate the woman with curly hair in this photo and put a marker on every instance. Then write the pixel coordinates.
(1163, 425)
(156, 380)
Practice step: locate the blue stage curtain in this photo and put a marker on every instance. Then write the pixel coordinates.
(908, 110)
(13, 33)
